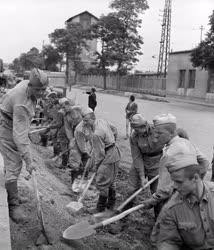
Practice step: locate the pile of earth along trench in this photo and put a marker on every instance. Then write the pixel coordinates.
(55, 193)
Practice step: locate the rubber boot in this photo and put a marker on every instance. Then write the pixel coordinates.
(111, 199)
(101, 204)
(15, 212)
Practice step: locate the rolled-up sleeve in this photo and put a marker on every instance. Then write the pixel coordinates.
(21, 125)
(137, 158)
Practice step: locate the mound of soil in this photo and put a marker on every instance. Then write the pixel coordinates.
(55, 193)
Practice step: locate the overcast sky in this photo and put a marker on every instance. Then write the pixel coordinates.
(27, 23)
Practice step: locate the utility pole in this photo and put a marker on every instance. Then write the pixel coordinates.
(165, 39)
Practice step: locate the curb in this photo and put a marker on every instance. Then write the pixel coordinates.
(5, 241)
(166, 99)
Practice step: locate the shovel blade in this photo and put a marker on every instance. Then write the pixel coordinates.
(78, 231)
(78, 185)
(74, 206)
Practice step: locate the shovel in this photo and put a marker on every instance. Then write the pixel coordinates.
(84, 229)
(39, 208)
(75, 206)
(119, 209)
(79, 185)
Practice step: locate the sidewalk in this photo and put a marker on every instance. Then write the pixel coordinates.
(5, 242)
(147, 97)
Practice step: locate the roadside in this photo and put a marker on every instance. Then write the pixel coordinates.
(147, 96)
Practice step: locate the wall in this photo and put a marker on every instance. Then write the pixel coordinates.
(132, 83)
(179, 61)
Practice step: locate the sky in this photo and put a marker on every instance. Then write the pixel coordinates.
(27, 23)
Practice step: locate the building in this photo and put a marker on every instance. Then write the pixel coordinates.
(187, 81)
(86, 19)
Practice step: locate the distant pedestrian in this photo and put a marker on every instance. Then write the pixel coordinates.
(92, 99)
(131, 109)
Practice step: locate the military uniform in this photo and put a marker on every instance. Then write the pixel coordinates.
(72, 118)
(80, 148)
(61, 136)
(165, 184)
(107, 158)
(187, 223)
(146, 154)
(16, 111)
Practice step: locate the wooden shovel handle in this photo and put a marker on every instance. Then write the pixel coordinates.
(136, 193)
(86, 188)
(117, 217)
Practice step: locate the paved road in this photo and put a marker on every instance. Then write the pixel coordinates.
(197, 120)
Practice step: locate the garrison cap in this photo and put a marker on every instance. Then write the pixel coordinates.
(164, 119)
(38, 78)
(138, 120)
(179, 155)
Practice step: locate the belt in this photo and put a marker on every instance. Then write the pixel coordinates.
(153, 154)
(6, 115)
(109, 147)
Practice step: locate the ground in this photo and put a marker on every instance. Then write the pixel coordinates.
(54, 183)
(54, 186)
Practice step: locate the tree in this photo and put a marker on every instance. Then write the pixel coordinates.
(106, 30)
(51, 58)
(127, 45)
(203, 55)
(70, 42)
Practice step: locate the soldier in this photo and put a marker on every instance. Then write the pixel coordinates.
(165, 126)
(61, 137)
(73, 116)
(107, 160)
(80, 145)
(186, 221)
(146, 151)
(16, 111)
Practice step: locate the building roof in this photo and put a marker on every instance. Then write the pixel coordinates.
(180, 52)
(82, 13)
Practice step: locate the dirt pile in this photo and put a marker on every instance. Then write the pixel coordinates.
(55, 192)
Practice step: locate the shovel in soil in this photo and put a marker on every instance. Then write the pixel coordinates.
(39, 208)
(109, 213)
(75, 206)
(84, 229)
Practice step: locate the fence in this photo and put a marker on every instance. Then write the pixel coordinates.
(132, 83)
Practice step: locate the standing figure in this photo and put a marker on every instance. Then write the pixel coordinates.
(92, 99)
(16, 111)
(131, 109)
(107, 159)
(146, 151)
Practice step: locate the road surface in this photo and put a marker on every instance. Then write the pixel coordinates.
(197, 120)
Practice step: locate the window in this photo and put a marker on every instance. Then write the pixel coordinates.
(182, 73)
(191, 83)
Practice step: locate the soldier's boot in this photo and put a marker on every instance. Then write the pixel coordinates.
(15, 212)
(101, 204)
(111, 199)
